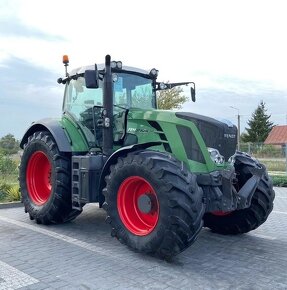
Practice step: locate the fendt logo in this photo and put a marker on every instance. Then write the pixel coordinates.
(138, 130)
(229, 136)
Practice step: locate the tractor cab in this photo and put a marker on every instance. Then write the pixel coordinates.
(131, 88)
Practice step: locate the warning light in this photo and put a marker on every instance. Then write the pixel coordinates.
(65, 59)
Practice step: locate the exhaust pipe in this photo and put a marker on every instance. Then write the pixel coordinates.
(108, 109)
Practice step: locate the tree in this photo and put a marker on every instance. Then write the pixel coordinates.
(171, 98)
(7, 165)
(243, 136)
(9, 144)
(259, 125)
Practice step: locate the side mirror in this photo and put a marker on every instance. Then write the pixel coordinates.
(192, 92)
(92, 78)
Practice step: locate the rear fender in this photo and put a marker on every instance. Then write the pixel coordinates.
(54, 127)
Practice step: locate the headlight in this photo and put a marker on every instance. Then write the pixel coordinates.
(119, 65)
(116, 64)
(115, 78)
(215, 156)
(231, 159)
(162, 86)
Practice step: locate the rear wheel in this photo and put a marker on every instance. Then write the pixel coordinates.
(245, 220)
(45, 180)
(154, 204)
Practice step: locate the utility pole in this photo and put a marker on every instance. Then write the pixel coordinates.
(238, 127)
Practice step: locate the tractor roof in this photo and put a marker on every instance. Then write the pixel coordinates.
(101, 66)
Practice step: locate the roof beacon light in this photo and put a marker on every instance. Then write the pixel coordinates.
(65, 59)
(66, 63)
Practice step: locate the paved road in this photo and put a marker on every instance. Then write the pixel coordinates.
(83, 255)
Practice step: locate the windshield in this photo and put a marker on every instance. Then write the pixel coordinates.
(130, 91)
(78, 98)
(133, 91)
(84, 105)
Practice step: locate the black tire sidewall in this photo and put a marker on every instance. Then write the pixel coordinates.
(32, 147)
(164, 211)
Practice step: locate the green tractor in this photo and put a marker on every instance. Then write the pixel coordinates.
(160, 175)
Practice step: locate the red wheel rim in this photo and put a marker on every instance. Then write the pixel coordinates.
(221, 213)
(38, 178)
(135, 220)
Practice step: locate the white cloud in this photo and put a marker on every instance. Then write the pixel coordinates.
(242, 39)
(224, 46)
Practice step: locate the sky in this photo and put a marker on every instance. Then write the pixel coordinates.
(235, 52)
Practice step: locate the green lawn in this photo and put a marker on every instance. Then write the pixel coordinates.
(274, 165)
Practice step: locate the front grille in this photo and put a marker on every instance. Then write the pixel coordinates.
(215, 134)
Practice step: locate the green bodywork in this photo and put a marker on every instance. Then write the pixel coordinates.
(77, 138)
(138, 124)
(136, 90)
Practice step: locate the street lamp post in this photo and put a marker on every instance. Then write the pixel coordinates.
(238, 126)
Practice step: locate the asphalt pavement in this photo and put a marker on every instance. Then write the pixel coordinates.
(83, 255)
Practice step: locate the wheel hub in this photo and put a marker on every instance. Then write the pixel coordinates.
(145, 203)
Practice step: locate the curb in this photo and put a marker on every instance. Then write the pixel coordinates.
(11, 205)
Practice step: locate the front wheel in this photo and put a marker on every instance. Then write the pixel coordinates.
(245, 220)
(154, 204)
(45, 180)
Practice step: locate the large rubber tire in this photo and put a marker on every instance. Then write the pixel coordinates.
(246, 220)
(175, 219)
(45, 180)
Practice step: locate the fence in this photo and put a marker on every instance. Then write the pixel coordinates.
(273, 156)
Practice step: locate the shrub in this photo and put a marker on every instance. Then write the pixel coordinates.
(7, 165)
(4, 187)
(13, 193)
(9, 145)
(279, 180)
(9, 192)
(2, 196)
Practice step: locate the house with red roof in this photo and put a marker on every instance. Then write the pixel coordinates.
(277, 136)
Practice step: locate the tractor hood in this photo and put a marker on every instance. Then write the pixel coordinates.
(219, 135)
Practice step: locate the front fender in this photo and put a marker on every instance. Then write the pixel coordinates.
(54, 127)
(247, 166)
(113, 159)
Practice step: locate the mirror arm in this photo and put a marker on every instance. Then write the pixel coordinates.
(168, 86)
(172, 85)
